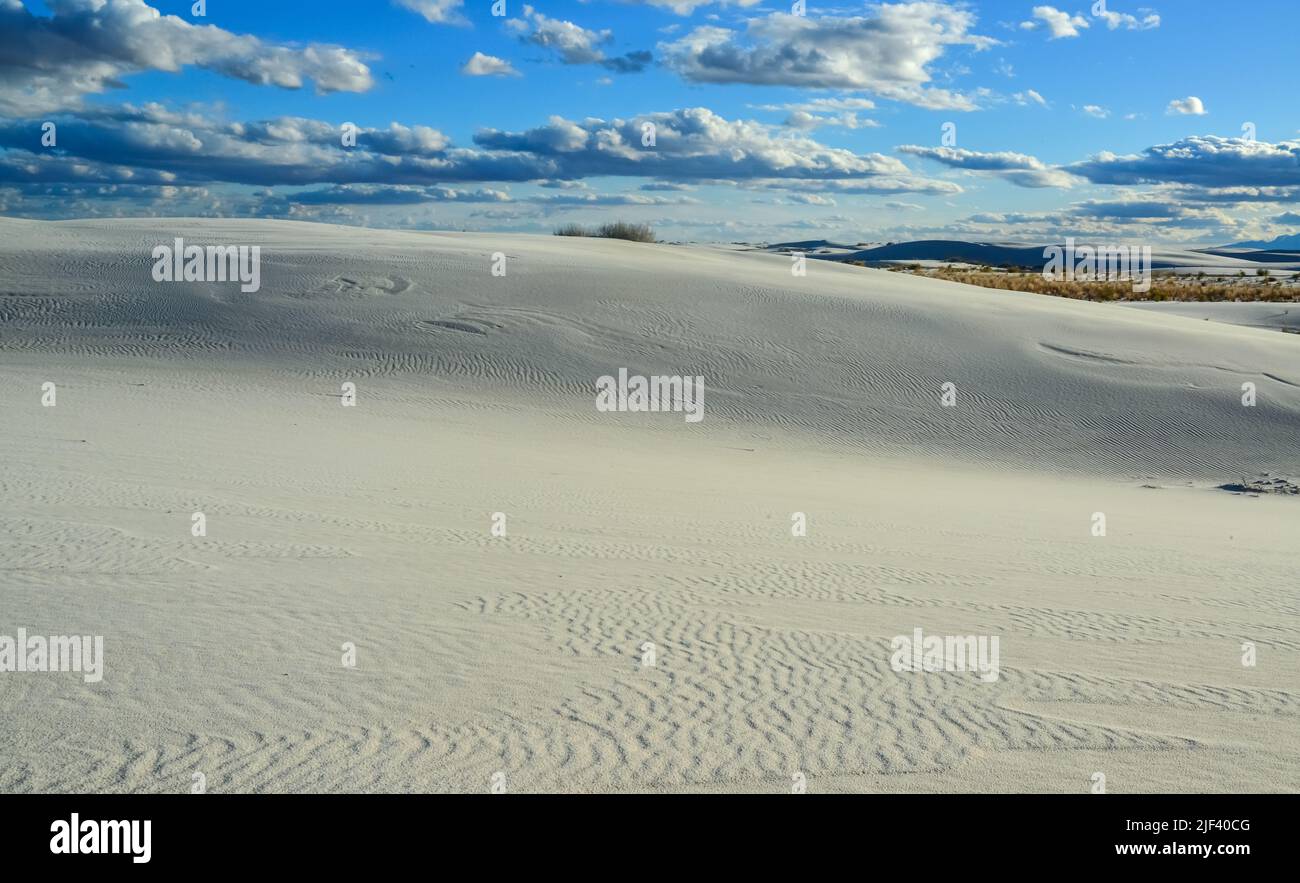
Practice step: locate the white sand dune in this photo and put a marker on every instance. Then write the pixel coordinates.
(522, 655)
(1279, 316)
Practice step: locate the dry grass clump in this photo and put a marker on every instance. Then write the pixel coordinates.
(613, 230)
(1166, 287)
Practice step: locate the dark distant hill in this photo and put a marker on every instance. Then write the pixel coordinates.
(1289, 242)
(1018, 255)
(990, 253)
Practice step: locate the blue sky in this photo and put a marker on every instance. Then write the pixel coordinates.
(1092, 119)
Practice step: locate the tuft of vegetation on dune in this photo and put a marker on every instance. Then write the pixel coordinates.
(614, 230)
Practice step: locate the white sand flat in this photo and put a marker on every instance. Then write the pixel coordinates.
(522, 655)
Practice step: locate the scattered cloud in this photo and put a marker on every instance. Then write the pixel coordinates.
(1059, 24)
(878, 186)
(439, 12)
(370, 194)
(887, 54)
(686, 7)
(1116, 20)
(1206, 161)
(690, 144)
(574, 44)
(1189, 106)
(819, 112)
(480, 65)
(566, 201)
(811, 199)
(86, 47)
(1018, 168)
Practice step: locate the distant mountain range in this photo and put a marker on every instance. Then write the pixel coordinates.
(1290, 241)
(1230, 259)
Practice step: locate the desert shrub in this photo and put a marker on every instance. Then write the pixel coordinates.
(1163, 287)
(612, 230)
(624, 230)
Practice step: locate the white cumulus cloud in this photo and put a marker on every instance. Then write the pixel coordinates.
(439, 12)
(480, 65)
(1059, 24)
(1189, 106)
(888, 53)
